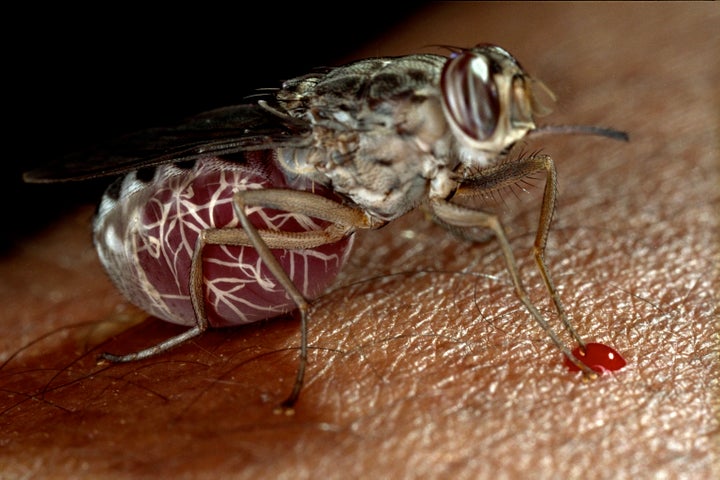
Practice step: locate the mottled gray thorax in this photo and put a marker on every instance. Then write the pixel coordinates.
(380, 137)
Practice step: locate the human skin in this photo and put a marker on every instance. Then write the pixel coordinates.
(423, 363)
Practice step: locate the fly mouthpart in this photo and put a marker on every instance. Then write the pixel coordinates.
(579, 130)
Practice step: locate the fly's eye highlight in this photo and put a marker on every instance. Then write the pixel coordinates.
(470, 94)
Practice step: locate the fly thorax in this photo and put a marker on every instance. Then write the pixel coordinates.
(384, 172)
(386, 154)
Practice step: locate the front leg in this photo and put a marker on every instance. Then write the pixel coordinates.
(509, 173)
(465, 218)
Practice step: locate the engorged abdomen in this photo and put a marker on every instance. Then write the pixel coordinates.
(146, 236)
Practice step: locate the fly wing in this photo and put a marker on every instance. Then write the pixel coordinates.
(215, 133)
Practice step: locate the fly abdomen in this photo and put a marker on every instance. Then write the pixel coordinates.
(146, 232)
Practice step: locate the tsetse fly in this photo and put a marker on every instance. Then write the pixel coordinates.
(247, 212)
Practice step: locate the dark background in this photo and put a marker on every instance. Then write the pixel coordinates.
(77, 78)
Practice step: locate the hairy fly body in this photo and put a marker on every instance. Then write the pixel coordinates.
(247, 212)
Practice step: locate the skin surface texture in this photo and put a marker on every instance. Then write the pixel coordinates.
(422, 362)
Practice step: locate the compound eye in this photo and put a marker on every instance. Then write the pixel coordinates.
(470, 94)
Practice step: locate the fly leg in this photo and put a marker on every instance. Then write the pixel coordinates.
(198, 303)
(497, 177)
(344, 221)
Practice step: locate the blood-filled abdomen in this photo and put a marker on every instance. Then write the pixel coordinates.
(147, 227)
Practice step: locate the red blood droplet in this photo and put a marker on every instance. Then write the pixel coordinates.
(597, 356)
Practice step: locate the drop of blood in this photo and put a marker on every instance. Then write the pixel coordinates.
(597, 356)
